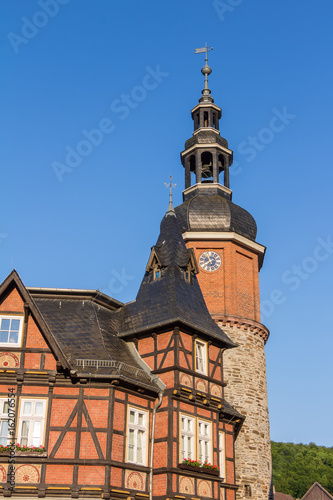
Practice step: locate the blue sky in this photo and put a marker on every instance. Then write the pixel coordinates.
(70, 67)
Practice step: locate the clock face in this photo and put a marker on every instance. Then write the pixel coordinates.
(210, 261)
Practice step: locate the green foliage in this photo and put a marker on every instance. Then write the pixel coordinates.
(297, 466)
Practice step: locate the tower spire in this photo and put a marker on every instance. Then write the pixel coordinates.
(170, 186)
(206, 70)
(206, 153)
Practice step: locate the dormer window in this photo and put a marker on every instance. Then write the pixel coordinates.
(187, 275)
(154, 268)
(157, 272)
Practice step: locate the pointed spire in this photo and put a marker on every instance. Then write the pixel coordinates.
(171, 210)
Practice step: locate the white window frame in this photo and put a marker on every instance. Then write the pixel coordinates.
(201, 444)
(3, 418)
(30, 439)
(222, 453)
(204, 441)
(19, 338)
(187, 438)
(136, 429)
(201, 357)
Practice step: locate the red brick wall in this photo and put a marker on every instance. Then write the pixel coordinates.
(160, 485)
(234, 288)
(91, 475)
(32, 361)
(34, 337)
(67, 447)
(59, 474)
(13, 302)
(34, 390)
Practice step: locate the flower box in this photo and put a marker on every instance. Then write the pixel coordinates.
(213, 472)
(201, 470)
(190, 467)
(27, 453)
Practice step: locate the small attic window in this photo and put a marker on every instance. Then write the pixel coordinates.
(187, 275)
(157, 273)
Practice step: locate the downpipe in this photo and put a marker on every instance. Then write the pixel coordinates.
(151, 466)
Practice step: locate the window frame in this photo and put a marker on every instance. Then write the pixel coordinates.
(222, 454)
(5, 417)
(187, 434)
(195, 437)
(157, 273)
(200, 343)
(137, 427)
(206, 439)
(32, 418)
(11, 317)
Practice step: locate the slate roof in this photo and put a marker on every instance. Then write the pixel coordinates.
(170, 299)
(85, 331)
(208, 210)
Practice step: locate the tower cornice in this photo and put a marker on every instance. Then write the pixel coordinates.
(242, 323)
(205, 105)
(206, 146)
(207, 187)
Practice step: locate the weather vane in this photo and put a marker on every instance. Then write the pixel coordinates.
(170, 186)
(204, 49)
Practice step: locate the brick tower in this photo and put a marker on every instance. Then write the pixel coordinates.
(222, 235)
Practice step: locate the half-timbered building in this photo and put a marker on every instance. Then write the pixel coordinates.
(113, 399)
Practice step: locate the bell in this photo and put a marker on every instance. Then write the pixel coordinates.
(206, 171)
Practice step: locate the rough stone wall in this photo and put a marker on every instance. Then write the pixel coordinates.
(245, 374)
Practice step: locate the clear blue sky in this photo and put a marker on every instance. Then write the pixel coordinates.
(70, 67)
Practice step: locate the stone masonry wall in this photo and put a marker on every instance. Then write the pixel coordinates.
(245, 374)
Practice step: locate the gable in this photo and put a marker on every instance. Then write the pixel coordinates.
(11, 301)
(24, 330)
(317, 492)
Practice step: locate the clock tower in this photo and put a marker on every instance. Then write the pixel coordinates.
(223, 236)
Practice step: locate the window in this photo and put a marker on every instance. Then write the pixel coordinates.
(31, 422)
(222, 454)
(187, 437)
(157, 273)
(11, 330)
(196, 439)
(137, 436)
(247, 490)
(201, 357)
(4, 428)
(187, 274)
(204, 441)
